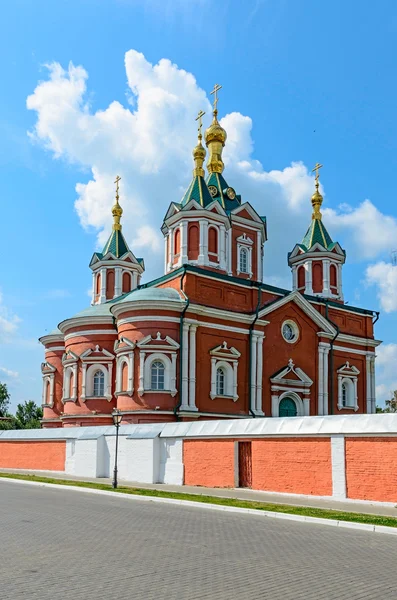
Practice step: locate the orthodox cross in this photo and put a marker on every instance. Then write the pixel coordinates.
(198, 118)
(316, 169)
(118, 178)
(216, 89)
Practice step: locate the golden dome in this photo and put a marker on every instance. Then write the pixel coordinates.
(215, 133)
(199, 156)
(117, 211)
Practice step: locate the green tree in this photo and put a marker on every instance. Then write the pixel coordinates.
(28, 415)
(4, 400)
(391, 405)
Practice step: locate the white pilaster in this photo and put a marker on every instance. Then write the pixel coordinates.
(340, 392)
(320, 380)
(274, 406)
(192, 368)
(185, 367)
(117, 282)
(338, 467)
(306, 406)
(134, 280)
(110, 379)
(222, 247)
(259, 274)
(229, 252)
(103, 285)
(294, 278)
(254, 342)
(235, 367)
(141, 372)
(326, 352)
(93, 288)
(259, 371)
(173, 374)
(183, 255)
(309, 277)
(166, 253)
(83, 382)
(326, 278)
(339, 282)
(373, 395)
(171, 235)
(368, 370)
(213, 378)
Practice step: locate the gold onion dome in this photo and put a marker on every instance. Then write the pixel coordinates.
(317, 198)
(199, 157)
(117, 211)
(215, 132)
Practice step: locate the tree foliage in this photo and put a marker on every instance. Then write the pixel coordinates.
(390, 405)
(28, 415)
(4, 400)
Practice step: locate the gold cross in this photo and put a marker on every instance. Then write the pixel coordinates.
(198, 118)
(118, 178)
(216, 89)
(316, 169)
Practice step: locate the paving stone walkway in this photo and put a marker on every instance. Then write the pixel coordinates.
(72, 545)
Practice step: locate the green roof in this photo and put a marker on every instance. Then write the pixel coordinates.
(197, 191)
(317, 234)
(116, 244)
(218, 181)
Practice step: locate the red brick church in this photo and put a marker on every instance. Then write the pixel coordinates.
(209, 339)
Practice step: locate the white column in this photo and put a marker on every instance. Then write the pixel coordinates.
(201, 256)
(339, 282)
(166, 254)
(117, 282)
(258, 275)
(141, 388)
(110, 375)
(326, 352)
(192, 368)
(183, 255)
(326, 278)
(222, 247)
(235, 367)
(229, 252)
(373, 395)
(368, 368)
(171, 248)
(355, 393)
(340, 395)
(338, 463)
(274, 406)
(93, 288)
(83, 381)
(103, 285)
(259, 371)
(306, 406)
(134, 280)
(294, 278)
(309, 277)
(254, 341)
(185, 367)
(213, 378)
(173, 374)
(320, 380)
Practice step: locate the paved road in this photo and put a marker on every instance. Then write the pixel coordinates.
(72, 545)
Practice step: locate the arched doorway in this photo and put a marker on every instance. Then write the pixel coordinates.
(287, 408)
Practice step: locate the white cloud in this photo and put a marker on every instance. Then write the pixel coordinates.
(8, 322)
(8, 373)
(384, 276)
(57, 293)
(149, 144)
(386, 372)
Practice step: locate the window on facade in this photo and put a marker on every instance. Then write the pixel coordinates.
(220, 382)
(243, 260)
(289, 331)
(347, 390)
(157, 373)
(344, 394)
(99, 384)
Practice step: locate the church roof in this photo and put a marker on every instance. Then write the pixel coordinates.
(152, 294)
(197, 191)
(216, 180)
(317, 234)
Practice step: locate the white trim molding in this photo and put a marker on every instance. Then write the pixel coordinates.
(48, 371)
(162, 349)
(347, 385)
(245, 243)
(224, 358)
(286, 383)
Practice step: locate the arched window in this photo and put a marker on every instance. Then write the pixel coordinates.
(220, 381)
(333, 278)
(317, 278)
(126, 282)
(301, 277)
(98, 284)
(344, 394)
(347, 390)
(110, 284)
(243, 260)
(157, 372)
(193, 241)
(213, 240)
(287, 408)
(99, 384)
(124, 376)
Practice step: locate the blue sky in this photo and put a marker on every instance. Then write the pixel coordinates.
(302, 82)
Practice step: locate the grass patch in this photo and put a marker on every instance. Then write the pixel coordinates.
(306, 511)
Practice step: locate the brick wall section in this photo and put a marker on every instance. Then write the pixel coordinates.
(43, 456)
(209, 462)
(371, 468)
(292, 465)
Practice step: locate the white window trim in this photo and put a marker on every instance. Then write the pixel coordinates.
(88, 381)
(294, 326)
(145, 385)
(348, 375)
(230, 367)
(48, 380)
(128, 359)
(245, 242)
(67, 372)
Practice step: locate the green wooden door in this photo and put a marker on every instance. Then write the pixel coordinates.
(287, 408)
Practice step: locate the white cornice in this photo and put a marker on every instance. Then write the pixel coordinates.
(175, 306)
(49, 339)
(67, 324)
(89, 332)
(195, 215)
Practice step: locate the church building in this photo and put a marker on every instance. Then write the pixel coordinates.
(210, 339)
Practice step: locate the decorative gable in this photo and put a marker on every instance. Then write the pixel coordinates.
(222, 352)
(244, 239)
(69, 358)
(47, 368)
(348, 370)
(123, 345)
(149, 343)
(96, 354)
(291, 376)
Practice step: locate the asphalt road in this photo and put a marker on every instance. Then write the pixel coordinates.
(73, 545)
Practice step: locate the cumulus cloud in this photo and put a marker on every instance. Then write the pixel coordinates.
(8, 322)
(386, 372)
(384, 276)
(149, 143)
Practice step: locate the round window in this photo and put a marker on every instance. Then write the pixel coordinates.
(290, 331)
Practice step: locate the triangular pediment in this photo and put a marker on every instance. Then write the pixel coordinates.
(69, 357)
(246, 211)
(47, 368)
(348, 370)
(96, 353)
(123, 344)
(222, 351)
(305, 306)
(291, 375)
(158, 343)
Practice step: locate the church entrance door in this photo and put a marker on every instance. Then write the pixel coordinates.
(244, 464)
(287, 408)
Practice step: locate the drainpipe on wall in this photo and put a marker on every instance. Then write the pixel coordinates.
(177, 407)
(250, 352)
(331, 360)
(376, 313)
